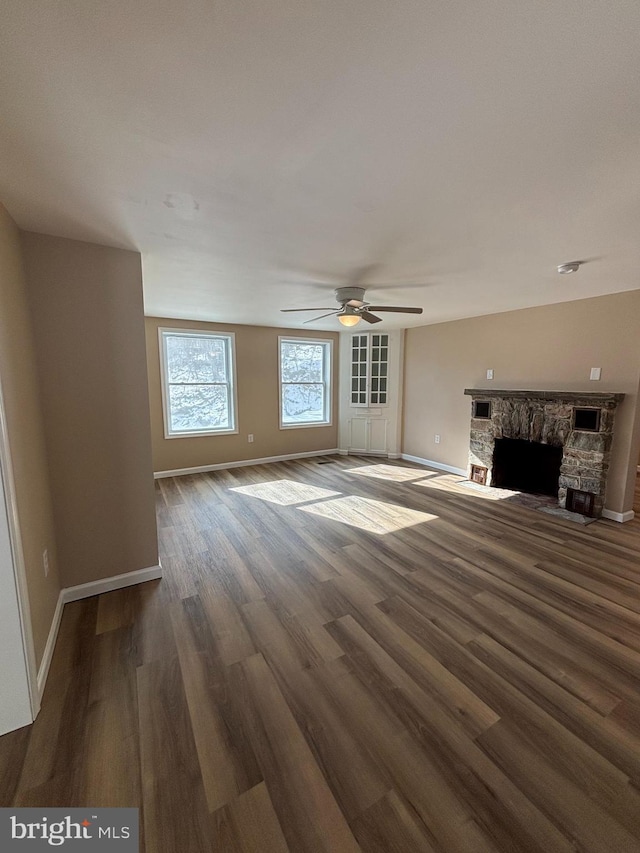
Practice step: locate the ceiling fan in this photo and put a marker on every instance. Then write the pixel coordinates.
(353, 308)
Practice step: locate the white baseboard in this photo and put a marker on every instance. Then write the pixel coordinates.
(243, 463)
(618, 516)
(45, 663)
(382, 453)
(86, 590)
(440, 466)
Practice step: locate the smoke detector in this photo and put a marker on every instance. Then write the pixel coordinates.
(572, 266)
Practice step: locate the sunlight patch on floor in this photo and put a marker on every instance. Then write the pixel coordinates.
(285, 492)
(369, 515)
(442, 482)
(395, 473)
(490, 493)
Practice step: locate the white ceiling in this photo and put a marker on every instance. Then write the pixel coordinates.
(455, 151)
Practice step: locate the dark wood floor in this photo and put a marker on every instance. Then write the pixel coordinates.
(352, 656)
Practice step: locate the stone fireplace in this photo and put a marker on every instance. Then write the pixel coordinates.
(578, 425)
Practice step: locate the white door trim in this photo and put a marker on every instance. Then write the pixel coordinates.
(9, 511)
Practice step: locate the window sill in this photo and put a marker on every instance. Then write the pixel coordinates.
(201, 434)
(306, 425)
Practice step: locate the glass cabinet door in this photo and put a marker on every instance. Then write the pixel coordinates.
(359, 373)
(369, 369)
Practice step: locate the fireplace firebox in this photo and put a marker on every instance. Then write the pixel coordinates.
(526, 466)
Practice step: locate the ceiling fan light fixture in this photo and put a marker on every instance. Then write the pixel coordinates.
(354, 308)
(565, 269)
(349, 319)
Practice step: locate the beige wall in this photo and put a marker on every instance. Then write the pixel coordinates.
(547, 348)
(18, 375)
(257, 386)
(86, 304)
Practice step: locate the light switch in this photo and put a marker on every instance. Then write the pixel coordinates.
(490, 373)
(595, 373)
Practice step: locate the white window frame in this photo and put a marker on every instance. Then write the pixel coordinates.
(327, 382)
(232, 394)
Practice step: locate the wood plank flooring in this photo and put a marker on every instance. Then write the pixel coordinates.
(352, 656)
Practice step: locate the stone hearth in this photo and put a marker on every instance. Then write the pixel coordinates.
(580, 423)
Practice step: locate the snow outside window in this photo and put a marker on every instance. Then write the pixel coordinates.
(197, 382)
(305, 382)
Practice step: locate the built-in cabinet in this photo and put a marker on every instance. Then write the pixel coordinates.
(371, 392)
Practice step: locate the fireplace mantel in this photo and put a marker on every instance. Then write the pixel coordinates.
(602, 399)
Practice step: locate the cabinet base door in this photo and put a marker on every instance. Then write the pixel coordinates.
(378, 435)
(358, 432)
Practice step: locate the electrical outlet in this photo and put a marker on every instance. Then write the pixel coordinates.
(595, 373)
(45, 562)
(250, 438)
(437, 438)
(490, 373)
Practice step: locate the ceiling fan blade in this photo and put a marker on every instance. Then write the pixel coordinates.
(397, 310)
(356, 303)
(369, 318)
(322, 316)
(289, 310)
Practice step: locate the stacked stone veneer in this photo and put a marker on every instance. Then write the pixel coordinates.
(547, 417)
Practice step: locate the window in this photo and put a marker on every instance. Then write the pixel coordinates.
(197, 382)
(305, 382)
(369, 369)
